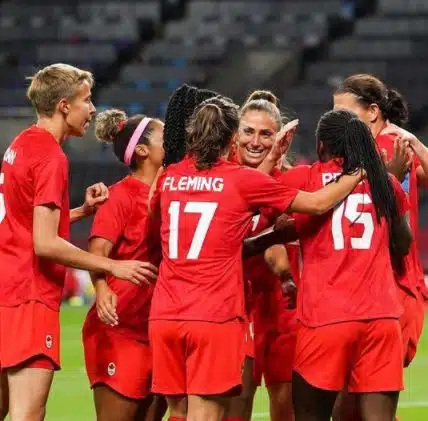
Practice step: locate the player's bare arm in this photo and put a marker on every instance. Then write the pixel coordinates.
(326, 198)
(259, 243)
(106, 299)
(421, 151)
(416, 146)
(47, 244)
(277, 259)
(94, 196)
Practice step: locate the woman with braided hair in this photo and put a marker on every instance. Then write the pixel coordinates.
(180, 107)
(348, 308)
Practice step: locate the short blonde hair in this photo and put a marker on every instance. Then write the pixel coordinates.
(52, 83)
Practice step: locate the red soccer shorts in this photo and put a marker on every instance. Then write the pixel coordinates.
(411, 322)
(365, 355)
(275, 339)
(123, 364)
(274, 357)
(29, 336)
(197, 358)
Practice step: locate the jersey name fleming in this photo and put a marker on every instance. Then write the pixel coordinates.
(196, 183)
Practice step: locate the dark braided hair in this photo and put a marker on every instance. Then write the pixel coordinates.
(342, 135)
(210, 130)
(369, 90)
(180, 107)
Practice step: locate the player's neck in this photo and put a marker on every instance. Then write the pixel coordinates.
(146, 174)
(54, 126)
(377, 127)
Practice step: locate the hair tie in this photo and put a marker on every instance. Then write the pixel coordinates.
(134, 140)
(121, 125)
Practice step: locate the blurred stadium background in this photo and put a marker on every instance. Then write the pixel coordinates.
(141, 50)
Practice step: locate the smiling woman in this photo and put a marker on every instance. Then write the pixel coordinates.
(260, 122)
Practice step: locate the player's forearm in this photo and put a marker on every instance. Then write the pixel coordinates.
(61, 251)
(99, 247)
(77, 214)
(327, 198)
(259, 243)
(277, 260)
(421, 151)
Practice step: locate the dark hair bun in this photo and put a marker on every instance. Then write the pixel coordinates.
(396, 109)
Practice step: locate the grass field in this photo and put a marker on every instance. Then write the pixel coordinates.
(71, 398)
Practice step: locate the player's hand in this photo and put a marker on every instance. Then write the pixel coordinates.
(283, 222)
(401, 160)
(94, 196)
(283, 141)
(135, 271)
(289, 290)
(106, 303)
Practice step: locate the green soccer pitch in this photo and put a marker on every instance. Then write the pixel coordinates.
(71, 398)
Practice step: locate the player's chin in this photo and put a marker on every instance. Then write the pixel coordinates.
(252, 160)
(80, 131)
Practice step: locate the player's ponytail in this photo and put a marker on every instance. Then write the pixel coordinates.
(369, 90)
(396, 110)
(264, 101)
(343, 135)
(210, 131)
(114, 127)
(180, 107)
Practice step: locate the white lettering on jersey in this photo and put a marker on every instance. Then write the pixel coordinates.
(215, 184)
(329, 176)
(9, 156)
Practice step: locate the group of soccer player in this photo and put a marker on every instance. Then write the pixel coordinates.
(215, 262)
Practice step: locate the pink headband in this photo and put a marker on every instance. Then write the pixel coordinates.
(134, 140)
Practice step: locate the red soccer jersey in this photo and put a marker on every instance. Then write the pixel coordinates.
(347, 273)
(413, 276)
(34, 172)
(255, 268)
(123, 221)
(205, 215)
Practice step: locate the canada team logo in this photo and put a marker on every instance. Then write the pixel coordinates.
(49, 341)
(111, 369)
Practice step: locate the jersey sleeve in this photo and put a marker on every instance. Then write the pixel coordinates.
(111, 217)
(386, 142)
(295, 177)
(50, 177)
(403, 204)
(261, 190)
